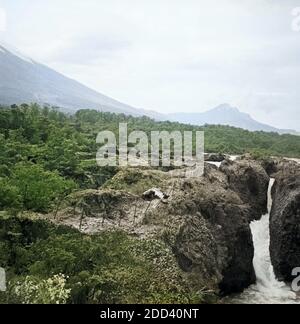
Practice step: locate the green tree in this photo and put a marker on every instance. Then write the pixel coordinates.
(39, 188)
(10, 197)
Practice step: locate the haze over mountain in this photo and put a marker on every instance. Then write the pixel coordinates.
(226, 115)
(25, 81)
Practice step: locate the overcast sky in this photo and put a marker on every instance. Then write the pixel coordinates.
(170, 55)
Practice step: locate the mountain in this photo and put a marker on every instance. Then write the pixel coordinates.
(226, 115)
(24, 81)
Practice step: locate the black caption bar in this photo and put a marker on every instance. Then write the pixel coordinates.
(106, 313)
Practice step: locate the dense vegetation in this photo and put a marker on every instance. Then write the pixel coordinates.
(46, 155)
(49, 264)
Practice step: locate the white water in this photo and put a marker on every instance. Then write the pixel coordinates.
(218, 164)
(234, 157)
(267, 290)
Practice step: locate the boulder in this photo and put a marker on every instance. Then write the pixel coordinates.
(285, 221)
(250, 181)
(270, 165)
(214, 241)
(155, 193)
(214, 157)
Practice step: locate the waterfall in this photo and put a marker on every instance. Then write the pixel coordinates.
(267, 290)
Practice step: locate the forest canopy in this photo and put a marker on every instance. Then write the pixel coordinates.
(46, 154)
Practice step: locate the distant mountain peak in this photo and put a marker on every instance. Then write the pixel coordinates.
(227, 115)
(226, 108)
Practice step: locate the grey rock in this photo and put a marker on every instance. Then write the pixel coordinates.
(214, 240)
(285, 221)
(214, 157)
(250, 180)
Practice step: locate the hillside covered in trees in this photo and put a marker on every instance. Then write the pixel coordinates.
(45, 156)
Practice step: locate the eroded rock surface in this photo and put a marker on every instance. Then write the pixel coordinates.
(205, 220)
(285, 221)
(250, 181)
(214, 157)
(214, 240)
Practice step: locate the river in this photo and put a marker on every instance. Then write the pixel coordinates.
(267, 290)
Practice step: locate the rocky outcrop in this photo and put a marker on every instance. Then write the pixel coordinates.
(250, 181)
(205, 220)
(214, 157)
(214, 240)
(285, 221)
(155, 193)
(270, 165)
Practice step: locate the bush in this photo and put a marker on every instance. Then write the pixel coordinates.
(32, 290)
(62, 265)
(10, 197)
(39, 188)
